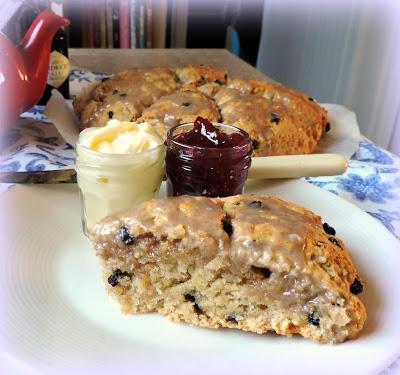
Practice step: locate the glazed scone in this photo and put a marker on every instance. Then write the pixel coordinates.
(118, 106)
(197, 75)
(296, 102)
(274, 128)
(151, 83)
(255, 263)
(123, 96)
(179, 108)
(107, 85)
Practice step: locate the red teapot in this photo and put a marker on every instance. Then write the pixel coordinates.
(24, 68)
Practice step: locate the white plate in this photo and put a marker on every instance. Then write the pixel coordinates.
(56, 317)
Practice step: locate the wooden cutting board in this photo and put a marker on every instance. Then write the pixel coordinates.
(114, 60)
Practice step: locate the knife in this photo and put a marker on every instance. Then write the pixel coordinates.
(288, 166)
(55, 176)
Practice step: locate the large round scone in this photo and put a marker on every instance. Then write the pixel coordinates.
(280, 120)
(124, 95)
(255, 263)
(179, 108)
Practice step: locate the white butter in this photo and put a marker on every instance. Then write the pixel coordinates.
(122, 137)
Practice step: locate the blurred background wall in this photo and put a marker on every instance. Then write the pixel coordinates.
(345, 52)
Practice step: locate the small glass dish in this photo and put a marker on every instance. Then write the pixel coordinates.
(206, 171)
(112, 182)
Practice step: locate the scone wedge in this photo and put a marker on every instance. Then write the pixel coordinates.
(255, 263)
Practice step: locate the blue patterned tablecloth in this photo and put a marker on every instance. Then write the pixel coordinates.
(372, 181)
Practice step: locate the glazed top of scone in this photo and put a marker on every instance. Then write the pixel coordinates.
(266, 228)
(178, 107)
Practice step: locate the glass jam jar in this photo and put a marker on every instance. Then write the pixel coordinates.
(110, 182)
(207, 159)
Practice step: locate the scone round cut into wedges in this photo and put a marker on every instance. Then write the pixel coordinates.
(280, 120)
(255, 263)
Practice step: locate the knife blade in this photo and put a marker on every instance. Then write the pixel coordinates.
(55, 176)
(287, 166)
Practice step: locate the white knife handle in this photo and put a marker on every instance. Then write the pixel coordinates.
(297, 166)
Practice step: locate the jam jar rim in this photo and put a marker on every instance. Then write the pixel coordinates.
(222, 149)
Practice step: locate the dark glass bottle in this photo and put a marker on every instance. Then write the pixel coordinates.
(58, 68)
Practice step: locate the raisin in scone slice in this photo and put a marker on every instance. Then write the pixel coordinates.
(245, 262)
(160, 245)
(310, 280)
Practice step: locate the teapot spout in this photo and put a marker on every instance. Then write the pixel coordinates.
(35, 51)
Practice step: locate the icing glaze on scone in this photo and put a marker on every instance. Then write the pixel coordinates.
(180, 108)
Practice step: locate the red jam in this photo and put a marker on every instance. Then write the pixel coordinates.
(205, 134)
(206, 159)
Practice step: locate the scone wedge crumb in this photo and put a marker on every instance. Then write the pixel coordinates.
(254, 263)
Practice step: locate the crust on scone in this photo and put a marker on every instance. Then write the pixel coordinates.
(255, 263)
